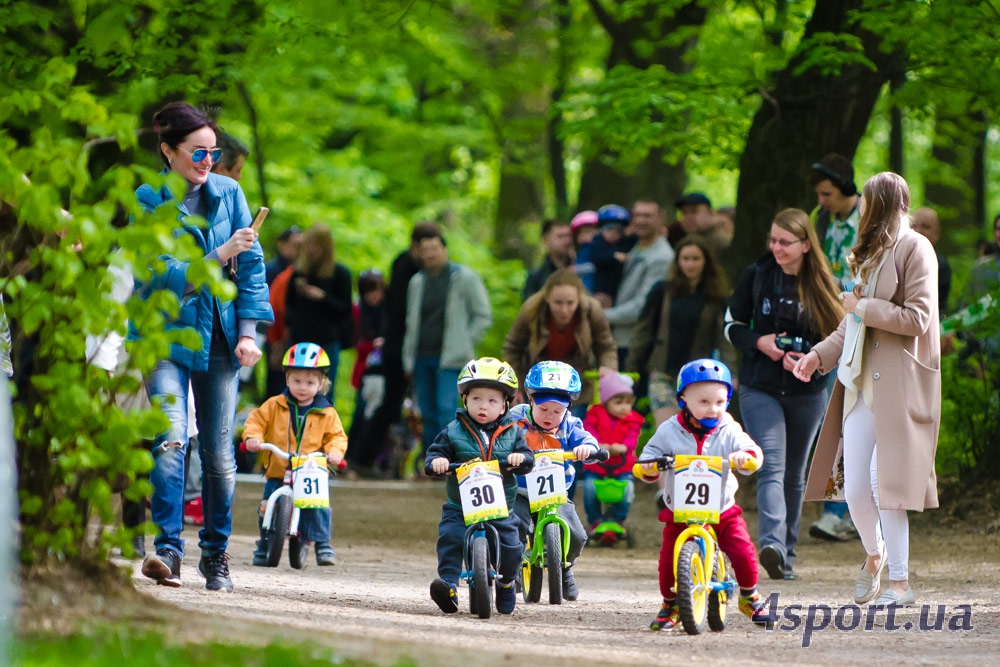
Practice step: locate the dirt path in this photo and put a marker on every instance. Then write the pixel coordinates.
(374, 603)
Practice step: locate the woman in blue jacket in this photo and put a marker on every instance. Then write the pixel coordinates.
(187, 143)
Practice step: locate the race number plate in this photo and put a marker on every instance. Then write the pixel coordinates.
(311, 482)
(699, 482)
(547, 480)
(480, 485)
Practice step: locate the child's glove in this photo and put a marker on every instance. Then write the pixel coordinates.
(646, 470)
(584, 452)
(334, 458)
(439, 466)
(253, 444)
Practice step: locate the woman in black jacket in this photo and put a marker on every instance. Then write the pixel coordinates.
(318, 302)
(783, 304)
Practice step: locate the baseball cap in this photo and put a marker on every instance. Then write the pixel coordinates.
(693, 199)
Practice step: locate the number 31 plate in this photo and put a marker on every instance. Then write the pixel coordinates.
(698, 488)
(480, 485)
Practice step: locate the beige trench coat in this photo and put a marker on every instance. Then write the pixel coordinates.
(902, 346)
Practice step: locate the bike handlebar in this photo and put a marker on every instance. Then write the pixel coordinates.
(667, 462)
(274, 449)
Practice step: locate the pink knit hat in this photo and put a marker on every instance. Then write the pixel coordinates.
(613, 384)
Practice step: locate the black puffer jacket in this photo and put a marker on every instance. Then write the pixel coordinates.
(766, 302)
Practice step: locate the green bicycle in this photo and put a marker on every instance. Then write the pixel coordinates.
(548, 540)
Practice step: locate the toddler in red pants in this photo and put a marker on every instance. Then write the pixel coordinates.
(704, 428)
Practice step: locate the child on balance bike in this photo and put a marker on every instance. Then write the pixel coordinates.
(704, 428)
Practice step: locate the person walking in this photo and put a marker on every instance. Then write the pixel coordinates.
(187, 145)
(448, 311)
(783, 304)
(886, 406)
(318, 305)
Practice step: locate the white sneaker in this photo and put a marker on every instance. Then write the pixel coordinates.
(827, 528)
(846, 529)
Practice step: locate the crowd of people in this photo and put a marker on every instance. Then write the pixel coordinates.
(620, 307)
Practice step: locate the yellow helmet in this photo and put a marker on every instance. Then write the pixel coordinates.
(490, 373)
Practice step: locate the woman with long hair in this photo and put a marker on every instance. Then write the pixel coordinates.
(562, 323)
(187, 145)
(886, 353)
(318, 301)
(783, 305)
(681, 321)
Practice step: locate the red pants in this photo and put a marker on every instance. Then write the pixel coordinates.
(734, 540)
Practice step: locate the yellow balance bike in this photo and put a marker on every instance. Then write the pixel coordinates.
(703, 580)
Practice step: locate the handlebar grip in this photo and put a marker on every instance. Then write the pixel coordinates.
(601, 455)
(752, 464)
(637, 471)
(342, 464)
(243, 446)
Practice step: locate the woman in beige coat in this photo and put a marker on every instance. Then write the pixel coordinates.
(886, 353)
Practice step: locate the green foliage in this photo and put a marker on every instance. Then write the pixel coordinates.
(107, 648)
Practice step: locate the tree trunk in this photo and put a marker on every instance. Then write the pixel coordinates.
(600, 183)
(953, 183)
(801, 118)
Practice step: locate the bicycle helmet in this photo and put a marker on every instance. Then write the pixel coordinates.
(582, 219)
(490, 373)
(553, 378)
(704, 370)
(613, 214)
(306, 355)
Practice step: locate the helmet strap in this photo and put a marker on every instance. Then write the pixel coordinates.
(700, 428)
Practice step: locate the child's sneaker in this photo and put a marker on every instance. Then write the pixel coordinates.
(260, 553)
(752, 606)
(445, 596)
(506, 597)
(324, 554)
(570, 590)
(667, 618)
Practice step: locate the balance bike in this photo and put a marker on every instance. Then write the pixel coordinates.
(548, 540)
(306, 486)
(704, 582)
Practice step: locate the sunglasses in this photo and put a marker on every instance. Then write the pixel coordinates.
(201, 153)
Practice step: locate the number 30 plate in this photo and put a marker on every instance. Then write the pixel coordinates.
(698, 488)
(480, 485)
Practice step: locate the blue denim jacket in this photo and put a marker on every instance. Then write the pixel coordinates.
(227, 212)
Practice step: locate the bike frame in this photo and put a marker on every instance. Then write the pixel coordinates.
(272, 500)
(547, 515)
(473, 532)
(704, 535)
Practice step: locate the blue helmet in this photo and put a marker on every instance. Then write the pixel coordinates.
(553, 377)
(612, 213)
(704, 370)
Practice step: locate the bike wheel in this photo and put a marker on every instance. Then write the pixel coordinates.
(481, 589)
(692, 589)
(718, 601)
(280, 520)
(553, 561)
(298, 552)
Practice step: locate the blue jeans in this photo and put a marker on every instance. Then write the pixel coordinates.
(215, 392)
(451, 543)
(784, 427)
(314, 522)
(437, 396)
(598, 511)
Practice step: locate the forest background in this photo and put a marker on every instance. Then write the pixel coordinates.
(486, 115)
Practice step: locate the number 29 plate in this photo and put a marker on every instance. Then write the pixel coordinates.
(480, 486)
(699, 482)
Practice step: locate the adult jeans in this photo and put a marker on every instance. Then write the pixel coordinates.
(784, 427)
(215, 393)
(437, 396)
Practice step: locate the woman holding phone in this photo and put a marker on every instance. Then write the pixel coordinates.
(886, 354)
(187, 144)
(783, 304)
